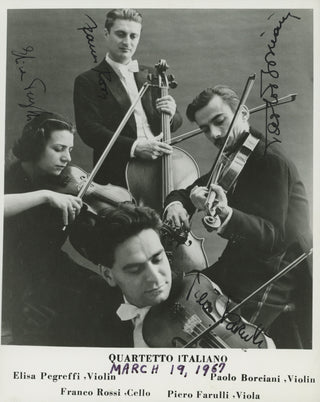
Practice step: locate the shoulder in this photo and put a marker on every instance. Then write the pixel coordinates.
(96, 71)
(16, 180)
(271, 153)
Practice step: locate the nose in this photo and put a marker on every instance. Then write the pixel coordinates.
(152, 274)
(213, 132)
(126, 40)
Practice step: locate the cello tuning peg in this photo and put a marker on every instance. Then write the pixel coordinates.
(172, 82)
(162, 65)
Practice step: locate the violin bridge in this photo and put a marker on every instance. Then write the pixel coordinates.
(191, 324)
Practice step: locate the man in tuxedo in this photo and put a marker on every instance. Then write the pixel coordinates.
(136, 276)
(103, 95)
(264, 216)
(135, 273)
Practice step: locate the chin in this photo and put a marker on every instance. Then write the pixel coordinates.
(160, 298)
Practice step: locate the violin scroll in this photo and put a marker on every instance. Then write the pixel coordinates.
(211, 220)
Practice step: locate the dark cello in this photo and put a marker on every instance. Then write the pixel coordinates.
(151, 181)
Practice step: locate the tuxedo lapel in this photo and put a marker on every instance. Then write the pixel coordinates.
(115, 86)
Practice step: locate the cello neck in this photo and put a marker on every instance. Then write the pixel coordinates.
(167, 171)
(167, 176)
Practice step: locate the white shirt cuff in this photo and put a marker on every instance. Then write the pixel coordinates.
(133, 148)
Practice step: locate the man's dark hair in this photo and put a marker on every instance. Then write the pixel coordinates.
(200, 101)
(36, 134)
(97, 236)
(122, 14)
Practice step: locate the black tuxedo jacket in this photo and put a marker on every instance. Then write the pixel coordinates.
(101, 326)
(100, 103)
(268, 229)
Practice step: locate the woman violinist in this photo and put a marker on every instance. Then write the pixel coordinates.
(41, 284)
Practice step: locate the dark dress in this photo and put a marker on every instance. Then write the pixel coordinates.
(42, 286)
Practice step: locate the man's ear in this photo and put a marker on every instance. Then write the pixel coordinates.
(107, 274)
(245, 113)
(106, 32)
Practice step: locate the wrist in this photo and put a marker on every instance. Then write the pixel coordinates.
(223, 212)
(46, 196)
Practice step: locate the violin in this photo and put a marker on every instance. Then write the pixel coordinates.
(197, 305)
(97, 197)
(226, 170)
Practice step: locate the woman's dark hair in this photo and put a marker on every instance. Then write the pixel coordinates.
(97, 236)
(36, 134)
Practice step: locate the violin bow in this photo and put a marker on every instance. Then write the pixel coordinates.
(283, 272)
(185, 136)
(215, 170)
(115, 136)
(211, 221)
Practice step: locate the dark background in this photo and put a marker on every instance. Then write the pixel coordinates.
(203, 47)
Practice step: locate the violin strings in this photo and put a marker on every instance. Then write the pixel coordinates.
(211, 340)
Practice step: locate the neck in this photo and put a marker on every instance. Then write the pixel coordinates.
(117, 61)
(29, 168)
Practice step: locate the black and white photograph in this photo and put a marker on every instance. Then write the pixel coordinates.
(158, 193)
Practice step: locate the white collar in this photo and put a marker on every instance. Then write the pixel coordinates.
(120, 68)
(127, 311)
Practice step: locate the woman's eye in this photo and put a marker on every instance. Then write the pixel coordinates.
(218, 122)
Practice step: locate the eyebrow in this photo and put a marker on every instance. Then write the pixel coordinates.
(136, 264)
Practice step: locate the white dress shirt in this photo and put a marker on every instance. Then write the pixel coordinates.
(126, 312)
(126, 74)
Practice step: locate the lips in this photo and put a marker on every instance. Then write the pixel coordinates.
(157, 290)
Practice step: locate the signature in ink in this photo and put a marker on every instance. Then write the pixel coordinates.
(88, 30)
(103, 76)
(236, 325)
(20, 57)
(35, 85)
(268, 92)
(31, 91)
(234, 322)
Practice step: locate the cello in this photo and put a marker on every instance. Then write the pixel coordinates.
(151, 181)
